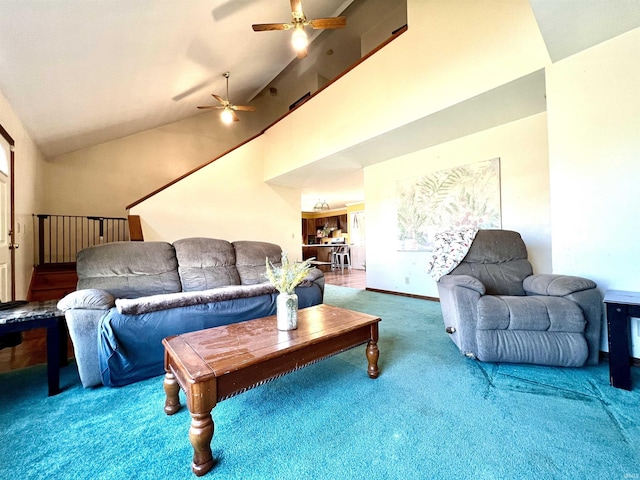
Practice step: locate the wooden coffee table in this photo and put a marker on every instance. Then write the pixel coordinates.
(214, 364)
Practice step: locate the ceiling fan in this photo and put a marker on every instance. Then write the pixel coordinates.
(298, 22)
(228, 113)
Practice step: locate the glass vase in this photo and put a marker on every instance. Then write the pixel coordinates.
(287, 311)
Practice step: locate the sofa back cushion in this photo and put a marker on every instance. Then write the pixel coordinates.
(206, 263)
(129, 269)
(498, 258)
(250, 260)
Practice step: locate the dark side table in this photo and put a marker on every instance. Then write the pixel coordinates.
(620, 307)
(44, 314)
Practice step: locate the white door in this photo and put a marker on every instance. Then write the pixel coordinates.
(357, 240)
(5, 220)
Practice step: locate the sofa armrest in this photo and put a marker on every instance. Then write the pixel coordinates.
(312, 276)
(556, 285)
(464, 281)
(90, 299)
(83, 330)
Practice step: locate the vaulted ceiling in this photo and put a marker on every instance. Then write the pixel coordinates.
(81, 72)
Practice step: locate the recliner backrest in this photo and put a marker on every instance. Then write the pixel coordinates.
(498, 258)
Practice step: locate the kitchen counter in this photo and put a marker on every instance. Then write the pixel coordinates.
(323, 245)
(321, 252)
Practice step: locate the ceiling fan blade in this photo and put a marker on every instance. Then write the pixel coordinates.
(296, 7)
(332, 22)
(210, 106)
(265, 27)
(244, 108)
(218, 97)
(235, 116)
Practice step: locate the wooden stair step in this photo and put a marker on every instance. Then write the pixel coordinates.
(52, 282)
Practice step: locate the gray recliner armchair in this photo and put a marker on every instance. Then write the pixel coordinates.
(496, 310)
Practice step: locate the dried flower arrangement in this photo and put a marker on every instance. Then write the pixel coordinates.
(286, 277)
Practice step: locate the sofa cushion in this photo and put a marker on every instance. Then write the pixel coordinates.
(129, 269)
(250, 260)
(206, 263)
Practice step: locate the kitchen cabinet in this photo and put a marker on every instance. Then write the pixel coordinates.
(310, 226)
(336, 222)
(343, 223)
(309, 252)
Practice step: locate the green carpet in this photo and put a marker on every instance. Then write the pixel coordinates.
(432, 414)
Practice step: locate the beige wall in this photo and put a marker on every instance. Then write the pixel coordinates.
(524, 187)
(594, 148)
(104, 179)
(594, 158)
(229, 200)
(29, 182)
(447, 56)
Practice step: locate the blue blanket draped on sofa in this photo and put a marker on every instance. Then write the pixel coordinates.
(130, 346)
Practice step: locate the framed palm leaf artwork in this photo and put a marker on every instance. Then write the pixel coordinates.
(457, 198)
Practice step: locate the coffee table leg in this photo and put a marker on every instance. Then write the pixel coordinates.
(200, 436)
(172, 390)
(372, 358)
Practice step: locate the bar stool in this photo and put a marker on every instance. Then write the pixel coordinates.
(340, 257)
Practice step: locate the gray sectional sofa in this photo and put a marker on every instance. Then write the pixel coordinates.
(131, 295)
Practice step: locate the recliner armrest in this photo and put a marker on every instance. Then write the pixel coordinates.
(556, 285)
(464, 281)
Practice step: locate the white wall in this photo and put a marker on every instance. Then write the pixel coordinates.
(522, 149)
(594, 159)
(227, 199)
(28, 193)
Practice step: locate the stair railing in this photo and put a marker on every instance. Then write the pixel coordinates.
(58, 238)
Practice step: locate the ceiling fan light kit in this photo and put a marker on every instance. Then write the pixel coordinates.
(228, 114)
(299, 40)
(299, 21)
